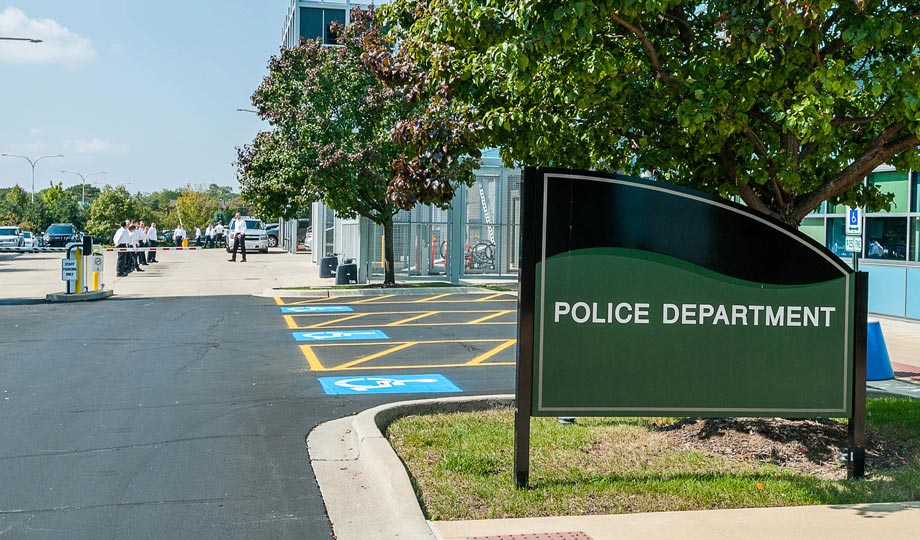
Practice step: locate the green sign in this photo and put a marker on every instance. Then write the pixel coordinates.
(639, 298)
(626, 332)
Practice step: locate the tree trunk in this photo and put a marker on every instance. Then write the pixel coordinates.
(389, 271)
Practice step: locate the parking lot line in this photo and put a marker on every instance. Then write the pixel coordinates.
(483, 357)
(312, 360)
(409, 316)
(373, 299)
(341, 319)
(432, 298)
(377, 355)
(343, 300)
(491, 297)
(492, 316)
(315, 364)
(417, 317)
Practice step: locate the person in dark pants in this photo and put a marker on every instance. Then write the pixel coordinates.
(152, 242)
(142, 244)
(238, 232)
(121, 241)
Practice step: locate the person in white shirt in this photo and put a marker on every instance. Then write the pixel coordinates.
(152, 242)
(132, 243)
(179, 235)
(121, 241)
(219, 232)
(197, 236)
(141, 244)
(209, 236)
(238, 232)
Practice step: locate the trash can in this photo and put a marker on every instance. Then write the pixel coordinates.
(327, 266)
(346, 274)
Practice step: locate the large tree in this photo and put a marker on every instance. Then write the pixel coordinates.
(784, 103)
(350, 128)
(111, 207)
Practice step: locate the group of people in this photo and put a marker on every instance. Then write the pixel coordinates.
(138, 242)
(143, 241)
(213, 235)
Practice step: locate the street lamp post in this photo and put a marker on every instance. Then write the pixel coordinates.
(83, 178)
(32, 162)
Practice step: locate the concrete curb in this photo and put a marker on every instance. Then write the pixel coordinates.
(85, 297)
(364, 484)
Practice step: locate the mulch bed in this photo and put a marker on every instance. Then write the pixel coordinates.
(813, 447)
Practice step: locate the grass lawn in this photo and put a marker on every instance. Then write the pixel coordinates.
(462, 467)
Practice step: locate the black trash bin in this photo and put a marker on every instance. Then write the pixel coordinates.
(346, 274)
(327, 266)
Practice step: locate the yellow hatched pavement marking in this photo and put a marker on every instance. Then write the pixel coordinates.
(373, 299)
(358, 364)
(292, 324)
(431, 298)
(485, 356)
(410, 319)
(310, 301)
(312, 360)
(487, 298)
(377, 355)
(492, 316)
(340, 319)
(279, 301)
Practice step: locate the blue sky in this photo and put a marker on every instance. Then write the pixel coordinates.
(146, 91)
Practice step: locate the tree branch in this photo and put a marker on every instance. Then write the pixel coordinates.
(751, 199)
(862, 119)
(879, 152)
(649, 47)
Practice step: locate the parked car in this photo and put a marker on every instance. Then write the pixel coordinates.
(29, 240)
(61, 234)
(272, 231)
(10, 237)
(256, 237)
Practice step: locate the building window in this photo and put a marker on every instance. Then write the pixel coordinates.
(332, 16)
(895, 183)
(813, 227)
(311, 23)
(886, 238)
(836, 236)
(915, 239)
(915, 197)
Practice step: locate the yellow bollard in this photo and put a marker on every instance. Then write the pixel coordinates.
(96, 274)
(185, 242)
(79, 285)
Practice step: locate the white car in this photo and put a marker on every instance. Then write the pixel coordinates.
(29, 240)
(10, 237)
(256, 237)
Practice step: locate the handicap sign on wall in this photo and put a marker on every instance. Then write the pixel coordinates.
(344, 335)
(387, 384)
(316, 309)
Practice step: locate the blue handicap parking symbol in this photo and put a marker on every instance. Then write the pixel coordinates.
(343, 335)
(854, 217)
(388, 384)
(316, 309)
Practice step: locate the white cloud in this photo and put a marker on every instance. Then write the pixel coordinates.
(93, 146)
(59, 45)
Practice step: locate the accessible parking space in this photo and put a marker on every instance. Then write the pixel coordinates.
(398, 332)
